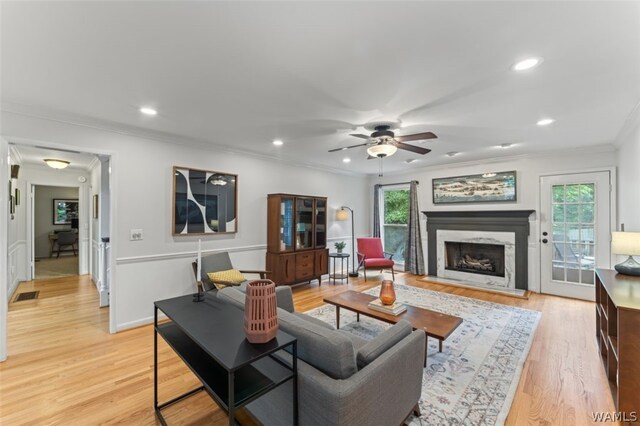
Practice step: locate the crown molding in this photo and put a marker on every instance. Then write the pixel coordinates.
(593, 149)
(632, 121)
(15, 154)
(158, 136)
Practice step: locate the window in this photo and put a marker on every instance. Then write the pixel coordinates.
(395, 217)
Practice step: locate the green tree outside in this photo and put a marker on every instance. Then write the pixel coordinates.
(396, 207)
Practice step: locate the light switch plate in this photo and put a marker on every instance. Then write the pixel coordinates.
(135, 234)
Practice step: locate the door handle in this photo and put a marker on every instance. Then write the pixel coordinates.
(544, 240)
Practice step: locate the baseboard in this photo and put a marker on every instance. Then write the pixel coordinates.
(139, 323)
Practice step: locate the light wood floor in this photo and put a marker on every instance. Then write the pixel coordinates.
(65, 368)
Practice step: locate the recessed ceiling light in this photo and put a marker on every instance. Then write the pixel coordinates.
(545, 121)
(527, 64)
(506, 145)
(278, 142)
(452, 154)
(346, 160)
(148, 111)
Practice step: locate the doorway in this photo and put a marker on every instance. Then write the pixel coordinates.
(575, 227)
(55, 214)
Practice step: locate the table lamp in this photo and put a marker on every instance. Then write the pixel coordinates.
(626, 243)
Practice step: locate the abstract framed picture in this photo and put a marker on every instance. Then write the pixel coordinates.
(491, 187)
(205, 202)
(64, 211)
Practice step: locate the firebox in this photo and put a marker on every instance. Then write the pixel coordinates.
(475, 258)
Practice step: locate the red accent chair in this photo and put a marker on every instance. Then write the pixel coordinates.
(371, 256)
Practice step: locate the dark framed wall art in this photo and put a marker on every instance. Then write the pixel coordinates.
(64, 211)
(484, 188)
(204, 202)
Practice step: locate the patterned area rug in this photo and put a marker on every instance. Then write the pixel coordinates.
(473, 380)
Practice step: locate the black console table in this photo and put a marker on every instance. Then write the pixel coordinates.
(209, 337)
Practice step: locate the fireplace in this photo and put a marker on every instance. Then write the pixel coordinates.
(475, 258)
(487, 249)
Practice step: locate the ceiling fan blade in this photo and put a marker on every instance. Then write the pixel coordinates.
(347, 147)
(412, 148)
(359, 135)
(416, 137)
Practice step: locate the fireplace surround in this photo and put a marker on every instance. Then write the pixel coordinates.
(508, 228)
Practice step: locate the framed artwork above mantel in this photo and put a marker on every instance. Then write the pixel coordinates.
(205, 202)
(488, 187)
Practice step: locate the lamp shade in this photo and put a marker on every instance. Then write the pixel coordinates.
(627, 243)
(382, 150)
(342, 214)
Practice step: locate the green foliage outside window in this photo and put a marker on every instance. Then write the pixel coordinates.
(396, 207)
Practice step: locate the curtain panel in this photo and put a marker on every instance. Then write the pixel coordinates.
(413, 256)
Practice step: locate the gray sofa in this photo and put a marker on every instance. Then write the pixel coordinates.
(343, 379)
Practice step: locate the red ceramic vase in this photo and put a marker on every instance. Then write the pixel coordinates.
(387, 293)
(260, 314)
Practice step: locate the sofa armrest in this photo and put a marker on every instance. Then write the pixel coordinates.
(383, 392)
(284, 298)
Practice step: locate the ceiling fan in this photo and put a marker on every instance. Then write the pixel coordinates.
(384, 143)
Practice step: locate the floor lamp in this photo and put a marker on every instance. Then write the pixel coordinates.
(342, 214)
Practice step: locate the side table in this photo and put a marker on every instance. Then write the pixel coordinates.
(209, 338)
(342, 275)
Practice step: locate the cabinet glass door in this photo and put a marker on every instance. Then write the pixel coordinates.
(304, 223)
(286, 224)
(321, 223)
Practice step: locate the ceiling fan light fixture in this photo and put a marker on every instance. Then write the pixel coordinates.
(383, 150)
(56, 164)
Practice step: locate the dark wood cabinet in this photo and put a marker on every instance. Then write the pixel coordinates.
(296, 238)
(618, 336)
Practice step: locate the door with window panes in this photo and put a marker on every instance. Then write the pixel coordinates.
(575, 232)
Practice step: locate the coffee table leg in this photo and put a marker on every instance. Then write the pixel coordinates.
(337, 317)
(426, 349)
(439, 345)
(358, 316)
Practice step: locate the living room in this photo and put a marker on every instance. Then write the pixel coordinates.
(227, 80)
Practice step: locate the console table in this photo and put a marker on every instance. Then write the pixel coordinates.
(618, 336)
(209, 337)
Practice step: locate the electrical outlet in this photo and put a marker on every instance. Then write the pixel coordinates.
(135, 234)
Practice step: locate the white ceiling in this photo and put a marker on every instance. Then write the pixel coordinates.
(33, 155)
(241, 74)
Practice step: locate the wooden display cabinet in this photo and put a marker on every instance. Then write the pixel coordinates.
(618, 336)
(296, 238)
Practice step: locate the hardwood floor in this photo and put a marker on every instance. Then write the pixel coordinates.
(65, 368)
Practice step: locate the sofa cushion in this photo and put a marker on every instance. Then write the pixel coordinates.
(324, 348)
(383, 342)
(313, 320)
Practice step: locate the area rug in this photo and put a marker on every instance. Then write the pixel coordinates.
(473, 380)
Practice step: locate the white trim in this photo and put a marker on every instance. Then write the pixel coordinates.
(185, 254)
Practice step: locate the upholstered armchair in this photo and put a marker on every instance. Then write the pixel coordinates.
(371, 256)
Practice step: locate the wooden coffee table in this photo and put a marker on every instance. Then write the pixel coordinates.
(434, 324)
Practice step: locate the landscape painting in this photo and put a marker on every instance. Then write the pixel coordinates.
(486, 187)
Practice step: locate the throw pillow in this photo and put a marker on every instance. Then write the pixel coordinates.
(230, 275)
(383, 342)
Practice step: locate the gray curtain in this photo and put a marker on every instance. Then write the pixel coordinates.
(413, 257)
(376, 211)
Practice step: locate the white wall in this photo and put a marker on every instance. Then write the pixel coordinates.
(528, 170)
(629, 178)
(159, 266)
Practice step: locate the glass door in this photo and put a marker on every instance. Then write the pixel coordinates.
(575, 228)
(304, 223)
(321, 223)
(286, 224)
